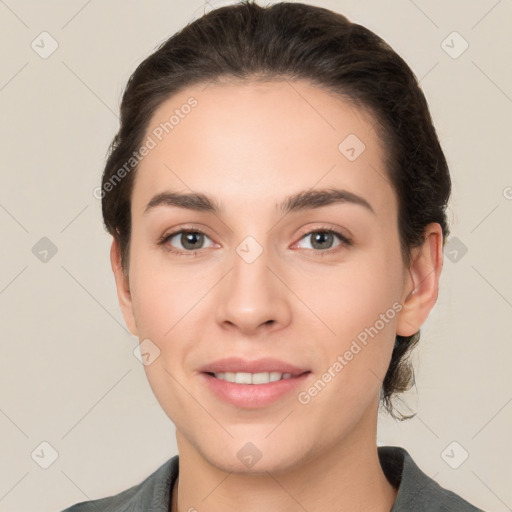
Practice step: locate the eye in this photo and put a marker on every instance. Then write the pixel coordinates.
(322, 240)
(191, 240)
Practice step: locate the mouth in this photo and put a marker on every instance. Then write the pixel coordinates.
(260, 367)
(252, 384)
(253, 378)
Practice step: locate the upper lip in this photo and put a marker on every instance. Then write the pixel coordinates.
(238, 364)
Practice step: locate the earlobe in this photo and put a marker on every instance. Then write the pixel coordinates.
(123, 288)
(422, 286)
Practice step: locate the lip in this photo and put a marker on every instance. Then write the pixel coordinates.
(238, 364)
(252, 396)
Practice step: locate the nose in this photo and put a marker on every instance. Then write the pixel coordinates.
(253, 297)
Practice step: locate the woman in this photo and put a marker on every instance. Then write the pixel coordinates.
(276, 195)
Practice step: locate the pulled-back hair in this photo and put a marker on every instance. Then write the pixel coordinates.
(295, 41)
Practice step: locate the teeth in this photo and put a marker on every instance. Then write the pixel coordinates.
(252, 378)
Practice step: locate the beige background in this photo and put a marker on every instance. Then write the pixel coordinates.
(68, 375)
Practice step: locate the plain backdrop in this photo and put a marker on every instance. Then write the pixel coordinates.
(72, 394)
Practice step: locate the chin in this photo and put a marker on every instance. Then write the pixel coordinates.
(270, 463)
(255, 455)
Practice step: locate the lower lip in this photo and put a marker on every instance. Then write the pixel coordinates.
(253, 396)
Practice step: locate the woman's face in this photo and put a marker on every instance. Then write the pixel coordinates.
(265, 281)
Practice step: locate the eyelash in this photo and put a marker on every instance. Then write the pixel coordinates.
(345, 242)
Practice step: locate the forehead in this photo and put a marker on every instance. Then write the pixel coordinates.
(245, 142)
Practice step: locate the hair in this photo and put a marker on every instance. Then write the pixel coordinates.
(295, 41)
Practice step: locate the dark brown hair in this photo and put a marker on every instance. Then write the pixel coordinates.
(288, 41)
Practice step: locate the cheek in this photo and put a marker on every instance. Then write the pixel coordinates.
(353, 296)
(162, 293)
(359, 302)
(154, 304)
(353, 361)
(163, 303)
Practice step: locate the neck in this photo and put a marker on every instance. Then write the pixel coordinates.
(344, 477)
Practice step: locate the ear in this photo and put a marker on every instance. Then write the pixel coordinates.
(422, 284)
(123, 288)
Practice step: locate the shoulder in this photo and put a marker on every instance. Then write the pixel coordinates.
(416, 490)
(152, 494)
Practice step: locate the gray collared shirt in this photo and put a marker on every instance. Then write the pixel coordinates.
(417, 492)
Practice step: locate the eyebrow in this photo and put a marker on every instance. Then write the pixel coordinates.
(305, 200)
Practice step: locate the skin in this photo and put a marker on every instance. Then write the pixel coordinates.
(250, 145)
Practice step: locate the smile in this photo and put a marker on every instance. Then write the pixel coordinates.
(252, 378)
